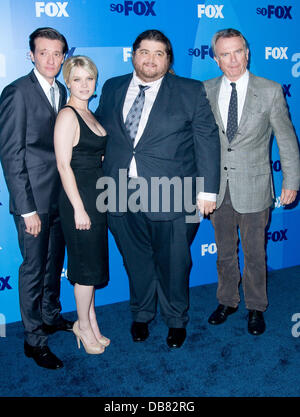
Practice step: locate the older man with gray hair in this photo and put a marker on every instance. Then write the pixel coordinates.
(247, 109)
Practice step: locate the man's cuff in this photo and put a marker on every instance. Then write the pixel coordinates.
(207, 196)
(28, 214)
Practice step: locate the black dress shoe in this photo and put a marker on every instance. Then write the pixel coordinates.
(221, 313)
(62, 324)
(176, 337)
(256, 322)
(139, 331)
(43, 356)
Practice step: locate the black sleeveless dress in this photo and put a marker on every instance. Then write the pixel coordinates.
(87, 249)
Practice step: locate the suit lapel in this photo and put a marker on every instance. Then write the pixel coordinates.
(120, 95)
(250, 105)
(160, 106)
(62, 92)
(41, 93)
(161, 101)
(214, 102)
(251, 102)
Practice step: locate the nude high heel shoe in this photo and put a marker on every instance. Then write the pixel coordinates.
(92, 349)
(104, 341)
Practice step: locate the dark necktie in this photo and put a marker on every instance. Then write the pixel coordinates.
(53, 99)
(135, 112)
(232, 121)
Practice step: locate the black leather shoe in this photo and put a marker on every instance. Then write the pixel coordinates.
(221, 313)
(62, 324)
(42, 356)
(139, 331)
(256, 322)
(176, 337)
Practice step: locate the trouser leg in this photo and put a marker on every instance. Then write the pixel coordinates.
(253, 229)
(224, 221)
(51, 306)
(133, 238)
(31, 279)
(157, 258)
(171, 242)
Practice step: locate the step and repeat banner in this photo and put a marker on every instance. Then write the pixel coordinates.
(105, 30)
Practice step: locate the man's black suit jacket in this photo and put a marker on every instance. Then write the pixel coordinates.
(180, 139)
(26, 146)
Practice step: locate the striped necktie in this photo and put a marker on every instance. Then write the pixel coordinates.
(52, 96)
(134, 115)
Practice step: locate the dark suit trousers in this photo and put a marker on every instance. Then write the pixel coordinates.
(157, 259)
(39, 276)
(226, 222)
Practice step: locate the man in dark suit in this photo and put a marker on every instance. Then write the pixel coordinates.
(28, 108)
(160, 127)
(248, 109)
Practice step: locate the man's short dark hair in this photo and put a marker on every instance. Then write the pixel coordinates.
(155, 35)
(48, 33)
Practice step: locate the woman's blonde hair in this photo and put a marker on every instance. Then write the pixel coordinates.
(78, 61)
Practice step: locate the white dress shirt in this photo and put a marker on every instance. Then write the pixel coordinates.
(46, 88)
(225, 93)
(150, 96)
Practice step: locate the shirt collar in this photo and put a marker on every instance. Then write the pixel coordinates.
(44, 83)
(240, 83)
(153, 84)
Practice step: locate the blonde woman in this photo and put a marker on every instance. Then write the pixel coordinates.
(79, 147)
